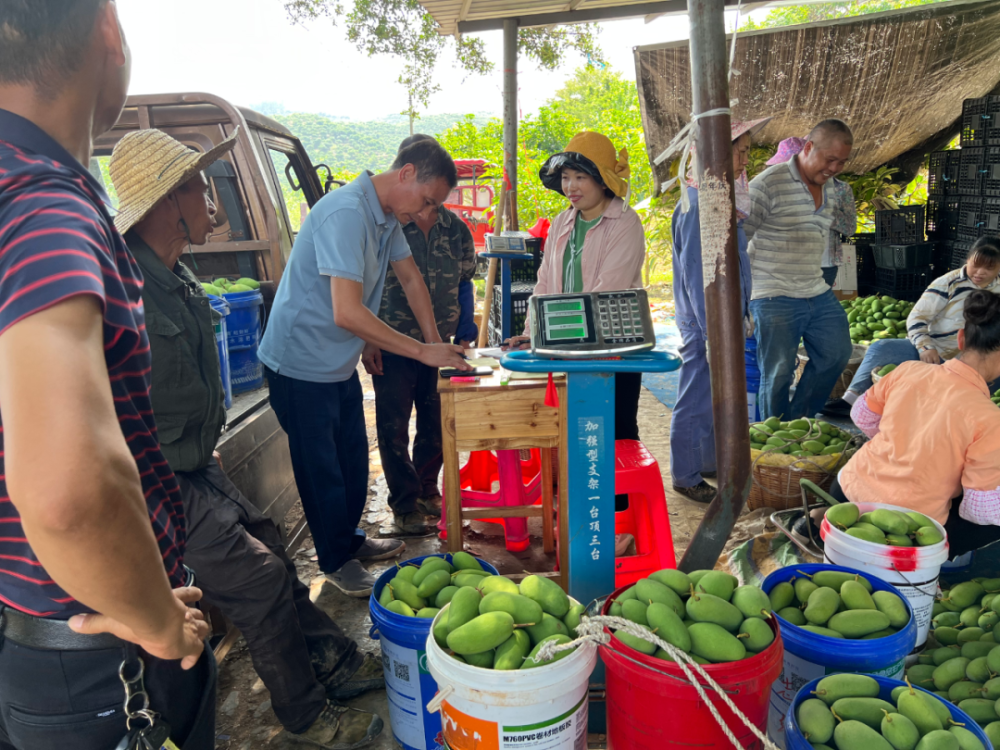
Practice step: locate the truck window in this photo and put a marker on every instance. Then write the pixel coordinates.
(296, 204)
(99, 168)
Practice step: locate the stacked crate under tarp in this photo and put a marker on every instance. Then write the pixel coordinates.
(903, 260)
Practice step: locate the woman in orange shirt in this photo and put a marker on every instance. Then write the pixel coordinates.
(935, 435)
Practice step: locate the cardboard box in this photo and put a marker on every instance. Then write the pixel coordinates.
(847, 276)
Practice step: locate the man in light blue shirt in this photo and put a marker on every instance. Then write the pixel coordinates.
(323, 314)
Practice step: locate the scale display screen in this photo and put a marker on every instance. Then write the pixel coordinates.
(591, 324)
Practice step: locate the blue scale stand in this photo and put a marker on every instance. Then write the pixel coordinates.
(505, 282)
(590, 420)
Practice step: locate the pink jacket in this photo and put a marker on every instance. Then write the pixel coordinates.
(613, 252)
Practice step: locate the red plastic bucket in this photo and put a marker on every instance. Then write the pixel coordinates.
(651, 705)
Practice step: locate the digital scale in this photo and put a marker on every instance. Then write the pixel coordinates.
(591, 324)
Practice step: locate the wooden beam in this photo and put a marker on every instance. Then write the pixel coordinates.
(463, 13)
(652, 17)
(575, 4)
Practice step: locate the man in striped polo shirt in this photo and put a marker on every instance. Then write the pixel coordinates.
(791, 209)
(92, 531)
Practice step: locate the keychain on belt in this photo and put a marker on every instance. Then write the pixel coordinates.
(155, 735)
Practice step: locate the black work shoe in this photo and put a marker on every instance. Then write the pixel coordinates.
(430, 506)
(414, 524)
(700, 493)
(369, 676)
(836, 407)
(352, 579)
(709, 474)
(340, 728)
(372, 550)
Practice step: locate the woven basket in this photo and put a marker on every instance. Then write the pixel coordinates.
(776, 476)
(840, 388)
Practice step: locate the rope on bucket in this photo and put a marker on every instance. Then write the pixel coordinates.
(592, 630)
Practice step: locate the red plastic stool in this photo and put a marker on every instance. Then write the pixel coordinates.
(638, 475)
(520, 484)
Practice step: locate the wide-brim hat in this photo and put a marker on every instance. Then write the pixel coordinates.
(593, 154)
(740, 127)
(786, 150)
(148, 165)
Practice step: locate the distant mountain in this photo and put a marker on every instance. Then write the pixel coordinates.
(354, 145)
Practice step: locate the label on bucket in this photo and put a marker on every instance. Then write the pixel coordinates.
(402, 668)
(464, 732)
(796, 673)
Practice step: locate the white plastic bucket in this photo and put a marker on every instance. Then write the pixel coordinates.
(544, 708)
(912, 570)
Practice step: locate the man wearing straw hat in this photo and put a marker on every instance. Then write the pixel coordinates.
(302, 656)
(92, 533)
(324, 313)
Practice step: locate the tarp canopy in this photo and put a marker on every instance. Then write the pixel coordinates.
(897, 78)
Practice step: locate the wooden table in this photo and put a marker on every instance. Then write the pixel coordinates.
(489, 415)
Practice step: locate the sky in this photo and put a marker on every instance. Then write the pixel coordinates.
(248, 52)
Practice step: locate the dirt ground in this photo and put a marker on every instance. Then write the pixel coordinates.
(245, 719)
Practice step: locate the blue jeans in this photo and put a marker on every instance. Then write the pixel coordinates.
(325, 423)
(821, 323)
(830, 274)
(880, 354)
(692, 432)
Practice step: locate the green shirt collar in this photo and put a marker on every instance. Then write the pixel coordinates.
(153, 268)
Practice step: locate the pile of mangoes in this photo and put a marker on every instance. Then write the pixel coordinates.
(885, 526)
(706, 614)
(995, 398)
(224, 286)
(803, 438)
(839, 605)
(886, 369)
(485, 620)
(874, 318)
(847, 714)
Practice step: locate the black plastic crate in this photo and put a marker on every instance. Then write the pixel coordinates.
(993, 123)
(906, 285)
(527, 270)
(976, 120)
(969, 227)
(520, 291)
(904, 257)
(959, 252)
(989, 217)
(899, 226)
(942, 172)
(972, 171)
(991, 171)
(942, 217)
(865, 257)
(941, 258)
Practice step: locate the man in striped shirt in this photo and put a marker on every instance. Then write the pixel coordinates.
(91, 526)
(791, 210)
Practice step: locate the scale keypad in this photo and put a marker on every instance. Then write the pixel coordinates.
(620, 319)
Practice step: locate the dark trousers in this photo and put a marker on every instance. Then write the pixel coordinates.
(963, 536)
(241, 565)
(325, 423)
(628, 387)
(406, 383)
(54, 700)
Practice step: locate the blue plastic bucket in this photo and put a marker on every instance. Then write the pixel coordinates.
(408, 683)
(222, 307)
(246, 373)
(753, 379)
(809, 656)
(243, 324)
(795, 740)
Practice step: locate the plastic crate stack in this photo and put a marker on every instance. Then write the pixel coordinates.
(903, 261)
(864, 248)
(523, 276)
(963, 202)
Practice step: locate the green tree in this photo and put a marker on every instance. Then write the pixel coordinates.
(403, 29)
(798, 14)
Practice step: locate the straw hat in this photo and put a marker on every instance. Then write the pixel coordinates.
(148, 165)
(593, 154)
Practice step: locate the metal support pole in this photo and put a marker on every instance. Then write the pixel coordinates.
(724, 309)
(510, 117)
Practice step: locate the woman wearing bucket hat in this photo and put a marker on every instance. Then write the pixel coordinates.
(845, 212)
(692, 433)
(596, 244)
(236, 552)
(935, 436)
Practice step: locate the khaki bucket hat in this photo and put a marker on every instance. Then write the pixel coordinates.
(148, 165)
(593, 154)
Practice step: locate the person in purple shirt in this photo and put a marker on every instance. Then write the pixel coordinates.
(92, 531)
(692, 432)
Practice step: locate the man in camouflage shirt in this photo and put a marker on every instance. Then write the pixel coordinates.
(445, 254)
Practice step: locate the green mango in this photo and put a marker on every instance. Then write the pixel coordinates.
(822, 605)
(756, 634)
(926, 536)
(407, 592)
(482, 633)
(628, 593)
(635, 611)
(524, 610)
(921, 675)
(844, 515)
(793, 615)
(715, 643)
(548, 626)
(964, 594)
(249, 283)
(820, 630)
(893, 607)
(992, 731)
(950, 672)
(858, 736)
(548, 594)
(946, 619)
(965, 689)
(866, 710)
(431, 565)
(781, 596)
(433, 583)
(894, 540)
(831, 689)
(979, 671)
(946, 636)
(511, 653)
(991, 688)
(752, 602)
(968, 635)
(835, 579)
(976, 649)
(639, 644)
(867, 533)
(966, 739)
(946, 653)
(815, 720)
(803, 588)
(674, 579)
(901, 733)
(668, 626)
(483, 660)
(468, 579)
(856, 596)
(855, 623)
(890, 521)
(717, 583)
(385, 596)
(980, 710)
(465, 561)
(464, 607)
(440, 629)
(918, 707)
(572, 618)
(489, 584)
(406, 573)
(401, 608)
(702, 607)
(938, 740)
